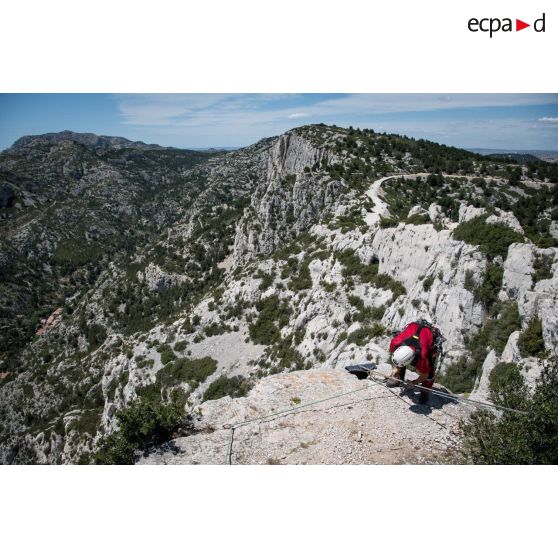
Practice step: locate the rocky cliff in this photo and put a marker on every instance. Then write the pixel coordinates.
(213, 281)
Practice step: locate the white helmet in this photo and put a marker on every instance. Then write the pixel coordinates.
(403, 356)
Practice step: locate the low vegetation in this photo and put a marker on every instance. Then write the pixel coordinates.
(492, 238)
(460, 376)
(531, 341)
(141, 425)
(237, 386)
(511, 438)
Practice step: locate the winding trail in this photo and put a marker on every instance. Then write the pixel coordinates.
(380, 208)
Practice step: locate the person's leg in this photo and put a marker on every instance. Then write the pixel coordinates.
(424, 397)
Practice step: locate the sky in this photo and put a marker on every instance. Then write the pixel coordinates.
(493, 121)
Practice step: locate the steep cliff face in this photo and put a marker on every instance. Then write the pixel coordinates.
(418, 255)
(530, 279)
(184, 278)
(535, 296)
(290, 197)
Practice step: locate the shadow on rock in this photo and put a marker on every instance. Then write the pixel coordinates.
(435, 401)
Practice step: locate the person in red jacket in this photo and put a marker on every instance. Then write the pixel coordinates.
(417, 345)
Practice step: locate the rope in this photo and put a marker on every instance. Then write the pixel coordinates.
(457, 398)
(407, 403)
(236, 425)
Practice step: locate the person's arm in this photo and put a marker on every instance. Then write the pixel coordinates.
(419, 380)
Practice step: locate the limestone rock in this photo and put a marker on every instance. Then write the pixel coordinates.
(481, 391)
(368, 426)
(417, 210)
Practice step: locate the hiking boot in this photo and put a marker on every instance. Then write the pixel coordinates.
(393, 382)
(424, 398)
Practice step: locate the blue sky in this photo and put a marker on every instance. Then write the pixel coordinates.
(499, 121)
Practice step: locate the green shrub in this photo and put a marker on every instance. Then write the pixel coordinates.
(356, 301)
(383, 281)
(273, 315)
(142, 362)
(142, 424)
(215, 328)
(418, 219)
(388, 222)
(303, 280)
(511, 438)
(193, 372)
(427, 283)
(460, 376)
(180, 346)
(187, 326)
(237, 386)
(95, 335)
(469, 283)
(506, 379)
(487, 291)
(531, 341)
(362, 335)
(72, 254)
(543, 267)
(89, 421)
(492, 238)
(167, 356)
(328, 287)
(266, 280)
(351, 221)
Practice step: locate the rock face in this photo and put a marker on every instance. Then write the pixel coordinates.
(467, 212)
(415, 253)
(288, 200)
(158, 280)
(533, 298)
(372, 425)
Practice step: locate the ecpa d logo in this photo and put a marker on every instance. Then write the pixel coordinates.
(494, 24)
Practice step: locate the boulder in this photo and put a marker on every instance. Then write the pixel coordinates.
(417, 210)
(435, 213)
(511, 351)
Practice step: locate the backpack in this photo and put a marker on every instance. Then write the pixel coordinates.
(414, 340)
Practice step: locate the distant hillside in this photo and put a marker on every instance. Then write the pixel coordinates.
(521, 156)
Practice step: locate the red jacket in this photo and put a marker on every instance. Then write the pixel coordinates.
(427, 353)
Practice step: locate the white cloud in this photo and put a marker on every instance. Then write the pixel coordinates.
(206, 120)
